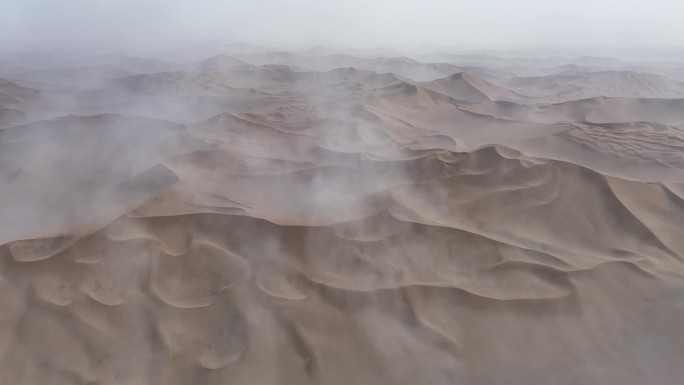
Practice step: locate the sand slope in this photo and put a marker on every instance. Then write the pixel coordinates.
(467, 87)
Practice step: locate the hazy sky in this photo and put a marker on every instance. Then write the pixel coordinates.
(363, 23)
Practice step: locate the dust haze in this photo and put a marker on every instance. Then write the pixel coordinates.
(318, 192)
(401, 24)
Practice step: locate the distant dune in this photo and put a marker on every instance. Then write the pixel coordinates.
(467, 87)
(12, 93)
(581, 85)
(216, 63)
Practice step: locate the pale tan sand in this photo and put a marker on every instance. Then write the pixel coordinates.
(239, 221)
(467, 87)
(573, 85)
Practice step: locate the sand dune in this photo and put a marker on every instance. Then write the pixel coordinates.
(288, 218)
(215, 63)
(10, 116)
(593, 110)
(125, 62)
(467, 87)
(573, 85)
(401, 66)
(83, 77)
(12, 93)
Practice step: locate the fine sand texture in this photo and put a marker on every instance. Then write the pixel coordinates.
(292, 218)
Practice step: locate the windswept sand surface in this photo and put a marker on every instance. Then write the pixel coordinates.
(299, 218)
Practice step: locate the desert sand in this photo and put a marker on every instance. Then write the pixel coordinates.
(270, 217)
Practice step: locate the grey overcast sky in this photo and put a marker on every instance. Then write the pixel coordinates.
(351, 23)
